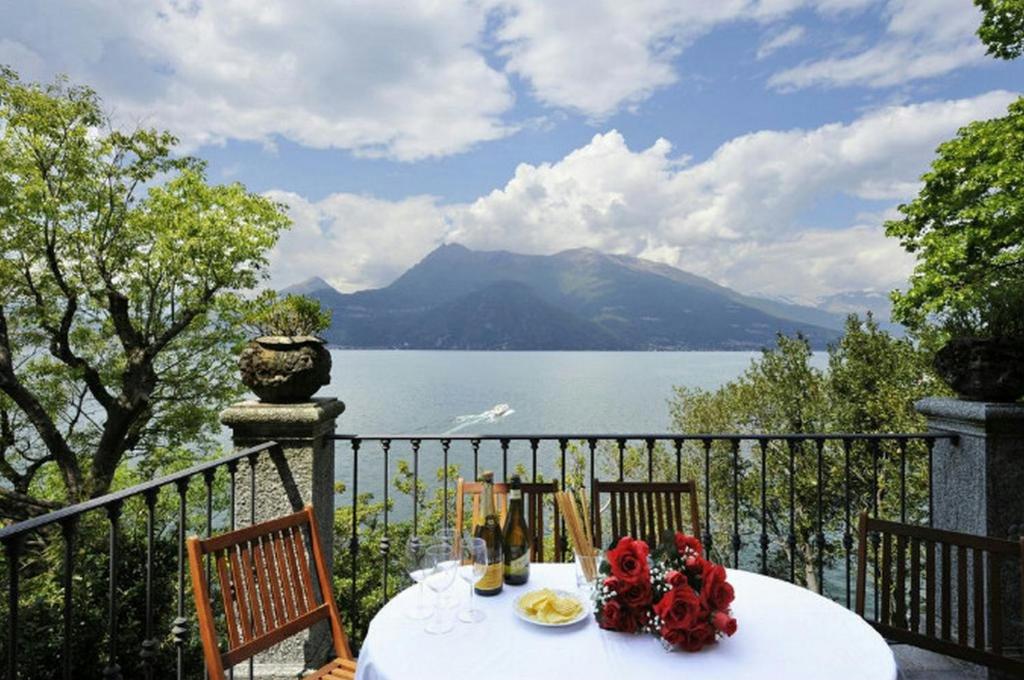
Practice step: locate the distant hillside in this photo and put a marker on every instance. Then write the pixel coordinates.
(457, 298)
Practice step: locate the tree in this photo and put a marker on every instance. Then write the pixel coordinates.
(870, 385)
(121, 284)
(966, 227)
(1002, 27)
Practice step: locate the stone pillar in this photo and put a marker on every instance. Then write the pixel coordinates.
(978, 481)
(303, 473)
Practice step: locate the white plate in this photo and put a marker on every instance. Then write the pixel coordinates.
(585, 610)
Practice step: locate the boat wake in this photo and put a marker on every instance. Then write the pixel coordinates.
(491, 415)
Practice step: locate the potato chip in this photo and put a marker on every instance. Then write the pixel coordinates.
(547, 606)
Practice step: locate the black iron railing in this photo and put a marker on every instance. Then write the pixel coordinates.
(742, 472)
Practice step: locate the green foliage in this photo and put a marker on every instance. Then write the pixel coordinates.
(870, 385)
(122, 282)
(966, 228)
(1002, 28)
(292, 315)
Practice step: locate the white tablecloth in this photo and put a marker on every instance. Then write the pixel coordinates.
(785, 632)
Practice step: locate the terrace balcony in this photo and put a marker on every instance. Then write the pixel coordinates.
(781, 504)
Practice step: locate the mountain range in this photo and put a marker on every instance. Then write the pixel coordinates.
(457, 298)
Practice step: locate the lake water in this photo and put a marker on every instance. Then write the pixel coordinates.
(446, 392)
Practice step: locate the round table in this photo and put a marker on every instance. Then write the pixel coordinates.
(785, 632)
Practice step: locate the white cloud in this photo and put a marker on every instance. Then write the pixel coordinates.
(790, 36)
(923, 39)
(405, 80)
(738, 217)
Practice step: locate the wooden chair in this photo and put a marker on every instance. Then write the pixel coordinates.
(646, 510)
(913, 553)
(267, 592)
(535, 496)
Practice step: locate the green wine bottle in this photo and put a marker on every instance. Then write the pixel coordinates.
(517, 537)
(490, 531)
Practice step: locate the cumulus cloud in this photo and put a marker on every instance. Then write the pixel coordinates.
(738, 217)
(405, 80)
(922, 40)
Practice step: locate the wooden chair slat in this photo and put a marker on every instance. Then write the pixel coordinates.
(645, 510)
(263, 576)
(304, 600)
(291, 612)
(947, 591)
(535, 495)
(901, 582)
(886, 594)
(995, 585)
(929, 589)
(978, 564)
(240, 596)
(961, 595)
(915, 584)
(253, 601)
(276, 596)
(226, 590)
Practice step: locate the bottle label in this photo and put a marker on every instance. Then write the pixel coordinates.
(515, 494)
(493, 578)
(519, 564)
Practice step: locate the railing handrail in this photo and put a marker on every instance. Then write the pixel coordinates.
(10, 533)
(666, 436)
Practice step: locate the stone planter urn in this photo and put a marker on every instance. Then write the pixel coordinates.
(983, 369)
(285, 369)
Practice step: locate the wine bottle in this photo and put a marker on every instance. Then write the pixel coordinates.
(517, 537)
(490, 531)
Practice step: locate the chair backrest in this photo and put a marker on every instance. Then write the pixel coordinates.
(535, 497)
(474, 490)
(936, 585)
(646, 510)
(265, 578)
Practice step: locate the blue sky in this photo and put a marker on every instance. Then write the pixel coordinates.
(761, 143)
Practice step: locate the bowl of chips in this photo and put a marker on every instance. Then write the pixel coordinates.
(549, 607)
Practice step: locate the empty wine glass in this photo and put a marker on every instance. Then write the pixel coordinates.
(471, 569)
(451, 540)
(439, 579)
(417, 564)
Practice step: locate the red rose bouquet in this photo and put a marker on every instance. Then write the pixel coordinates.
(676, 594)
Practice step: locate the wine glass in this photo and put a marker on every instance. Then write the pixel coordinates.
(418, 566)
(439, 579)
(449, 538)
(472, 569)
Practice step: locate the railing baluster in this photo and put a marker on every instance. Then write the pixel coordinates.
(820, 536)
(13, 549)
(149, 644)
(679, 459)
(562, 548)
(504, 460)
(232, 479)
(113, 669)
(736, 543)
(622, 457)
(476, 458)
(69, 531)
(353, 544)
(875, 538)
(416, 485)
(592, 445)
(791, 538)
(764, 505)
(445, 444)
(253, 459)
(534, 443)
(901, 448)
(385, 541)
(650, 459)
(707, 540)
(179, 631)
(930, 443)
(847, 519)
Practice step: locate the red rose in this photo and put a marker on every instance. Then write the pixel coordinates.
(685, 543)
(694, 564)
(613, 584)
(724, 623)
(612, 615)
(628, 560)
(715, 591)
(678, 608)
(675, 579)
(637, 595)
(696, 638)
